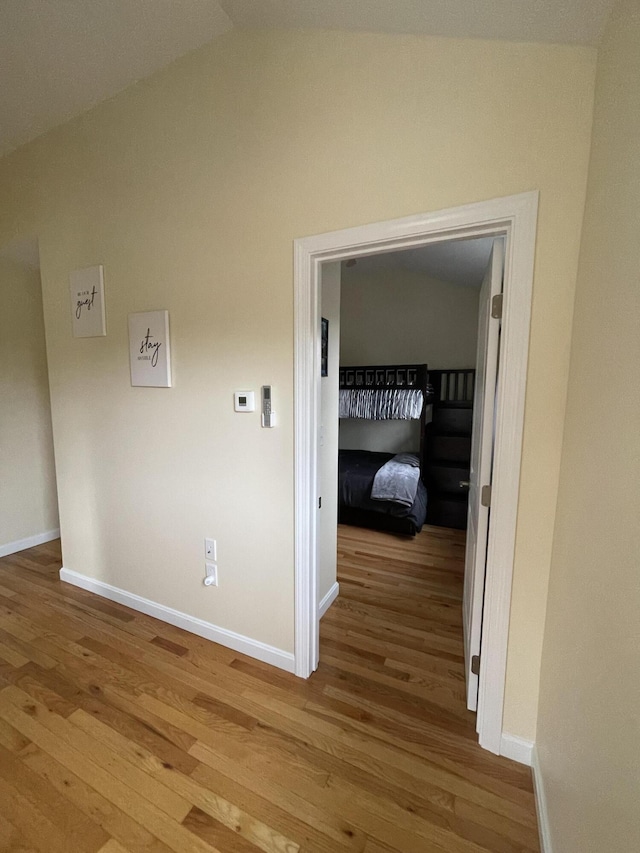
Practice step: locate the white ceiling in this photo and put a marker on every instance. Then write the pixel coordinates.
(60, 57)
(461, 262)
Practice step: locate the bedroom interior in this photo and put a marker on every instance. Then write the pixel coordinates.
(421, 306)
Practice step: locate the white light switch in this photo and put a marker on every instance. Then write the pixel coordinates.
(245, 401)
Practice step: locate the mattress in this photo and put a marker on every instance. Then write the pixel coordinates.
(356, 471)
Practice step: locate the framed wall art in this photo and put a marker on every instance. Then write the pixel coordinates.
(149, 349)
(324, 351)
(86, 288)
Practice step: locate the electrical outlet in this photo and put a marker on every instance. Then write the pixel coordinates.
(210, 549)
(211, 574)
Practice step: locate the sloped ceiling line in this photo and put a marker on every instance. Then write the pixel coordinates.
(58, 58)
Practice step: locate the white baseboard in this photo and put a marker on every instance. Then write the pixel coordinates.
(516, 748)
(237, 642)
(29, 542)
(541, 805)
(328, 600)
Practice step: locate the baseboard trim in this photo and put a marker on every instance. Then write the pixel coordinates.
(29, 542)
(328, 600)
(516, 748)
(237, 642)
(541, 805)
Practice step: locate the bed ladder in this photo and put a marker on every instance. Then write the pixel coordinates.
(448, 447)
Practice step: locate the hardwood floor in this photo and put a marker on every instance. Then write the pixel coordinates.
(121, 733)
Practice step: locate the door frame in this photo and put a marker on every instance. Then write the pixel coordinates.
(515, 218)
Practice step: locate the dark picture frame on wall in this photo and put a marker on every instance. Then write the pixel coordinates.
(324, 348)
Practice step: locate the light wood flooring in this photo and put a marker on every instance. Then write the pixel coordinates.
(120, 733)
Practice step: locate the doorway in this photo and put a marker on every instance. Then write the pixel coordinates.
(513, 218)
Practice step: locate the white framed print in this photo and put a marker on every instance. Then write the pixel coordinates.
(149, 349)
(87, 302)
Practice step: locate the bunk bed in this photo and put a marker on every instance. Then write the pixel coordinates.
(441, 401)
(384, 491)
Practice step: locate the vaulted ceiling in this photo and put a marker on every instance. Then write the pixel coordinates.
(461, 262)
(60, 57)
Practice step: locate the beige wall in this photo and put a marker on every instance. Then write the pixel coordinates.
(589, 725)
(190, 187)
(395, 316)
(328, 449)
(28, 502)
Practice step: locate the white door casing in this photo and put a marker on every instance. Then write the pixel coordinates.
(480, 467)
(513, 217)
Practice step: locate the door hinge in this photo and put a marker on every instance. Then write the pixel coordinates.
(485, 496)
(475, 664)
(319, 503)
(496, 307)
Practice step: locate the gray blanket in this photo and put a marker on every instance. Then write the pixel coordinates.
(397, 480)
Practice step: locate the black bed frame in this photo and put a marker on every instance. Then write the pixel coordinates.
(396, 377)
(384, 376)
(451, 394)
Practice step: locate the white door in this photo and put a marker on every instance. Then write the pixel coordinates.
(480, 473)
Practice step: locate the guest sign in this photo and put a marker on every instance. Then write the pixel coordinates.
(149, 352)
(87, 302)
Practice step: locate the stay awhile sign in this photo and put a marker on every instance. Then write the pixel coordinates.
(149, 350)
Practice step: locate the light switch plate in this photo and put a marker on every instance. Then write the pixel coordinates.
(210, 549)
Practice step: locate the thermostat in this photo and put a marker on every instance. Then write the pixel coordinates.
(245, 401)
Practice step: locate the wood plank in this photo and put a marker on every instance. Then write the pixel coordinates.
(300, 829)
(70, 736)
(12, 739)
(73, 827)
(11, 840)
(170, 745)
(170, 646)
(30, 821)
(222, 810)
(216, 833)
(99, 808)
(329, 822)
(113, 846)
(127, 799)
(26, 649)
